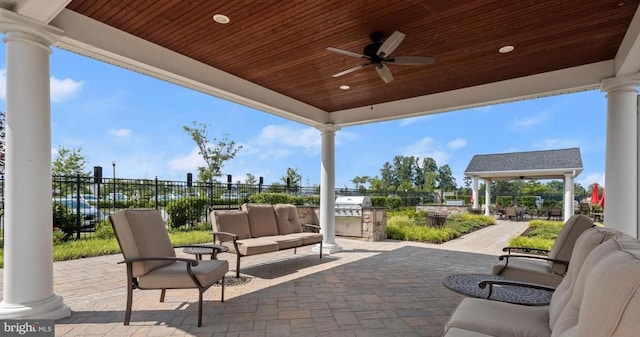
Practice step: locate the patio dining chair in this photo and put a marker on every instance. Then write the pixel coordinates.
(547, 270)
(151, 259)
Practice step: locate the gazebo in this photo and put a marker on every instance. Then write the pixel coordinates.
(563, 164)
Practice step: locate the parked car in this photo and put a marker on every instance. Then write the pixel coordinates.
(89, 213)
(118, 197)
(234, 195)
(165, 197)
(539, 201)
(86, 197)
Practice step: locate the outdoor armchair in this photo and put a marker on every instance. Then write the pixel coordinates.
(151, 260)
(547, 270)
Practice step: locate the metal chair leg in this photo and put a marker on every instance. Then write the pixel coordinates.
(320, 249)
(222, 287)
(162, 293)
(200, 291)
(238, 266)
(127, 314)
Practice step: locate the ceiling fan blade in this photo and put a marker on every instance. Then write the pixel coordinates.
(346, 52)
(412, 60)
(384, 73)
(390, 44)
(350, 70)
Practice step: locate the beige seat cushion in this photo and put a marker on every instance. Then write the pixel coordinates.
(235, 222)
(142, 233)
(308, 238)
(605, 300)
(563, 246)
(500, 319)
(262, 220)
(287, 218)
(175, 275)
(589, 239)
(455, 332)
(529, 270)
(285, 241)
(253, 246)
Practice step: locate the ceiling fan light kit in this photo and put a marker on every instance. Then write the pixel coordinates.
(378, 54)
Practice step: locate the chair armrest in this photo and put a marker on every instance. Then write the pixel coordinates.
(502, 257)
(311, 226)
(191, 262)
(525, 249)
(221, 235)
(491, 283)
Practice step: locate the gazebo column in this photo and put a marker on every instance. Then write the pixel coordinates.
(487, 197)
(474, 192)
(621, 168)
(327, 189)
(28, 254)
(568, 196)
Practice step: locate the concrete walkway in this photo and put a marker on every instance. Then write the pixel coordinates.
(489, 240)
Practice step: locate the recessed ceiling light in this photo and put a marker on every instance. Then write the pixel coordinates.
(506, 49)
(345, 87)
(221, 18)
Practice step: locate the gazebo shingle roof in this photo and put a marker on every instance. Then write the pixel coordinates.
(533, 164)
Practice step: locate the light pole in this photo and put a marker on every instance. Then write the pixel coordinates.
(114, 184)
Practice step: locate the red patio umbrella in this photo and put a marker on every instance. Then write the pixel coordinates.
(594, 194)
(602, 200)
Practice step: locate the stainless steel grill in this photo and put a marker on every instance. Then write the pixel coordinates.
(348, 212)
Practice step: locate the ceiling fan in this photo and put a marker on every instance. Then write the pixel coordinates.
(378, 54)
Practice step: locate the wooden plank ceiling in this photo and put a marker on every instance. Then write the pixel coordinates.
(282, 45)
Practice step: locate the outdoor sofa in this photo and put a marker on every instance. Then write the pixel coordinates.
(259, 228)
(598, 297)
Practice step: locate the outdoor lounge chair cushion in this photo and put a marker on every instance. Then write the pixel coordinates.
(308, 238)
(142, 233)
(236, 222)
(455, 332)
(606, 297)
(253, 246)
(590, 239)
(173, 276)
(563, 247)
(287, 218)
(262, 220)
(285, 241)
(528, 270)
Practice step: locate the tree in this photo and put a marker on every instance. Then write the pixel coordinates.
(69, 162)
(214, 152)
(294, 179)
(386, 174)
(360, 181)
(446, 181)
(430, 169)
(250, 180)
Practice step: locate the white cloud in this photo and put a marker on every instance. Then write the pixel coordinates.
(553, 143)
(120, 133)
(61, 90)
(529, 122)
(426, 147)
(188, 163)
(589, 179)
(457, 143)
(412, 120)
(54, 153)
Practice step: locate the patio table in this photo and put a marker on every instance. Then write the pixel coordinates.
(205, 249)
(468, 284)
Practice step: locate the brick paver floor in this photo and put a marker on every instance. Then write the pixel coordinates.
(385, 288)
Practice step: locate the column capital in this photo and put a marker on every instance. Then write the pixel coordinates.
(328, 128)
(18, 27)
(627, 83)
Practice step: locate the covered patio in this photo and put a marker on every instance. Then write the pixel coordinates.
(273, 57)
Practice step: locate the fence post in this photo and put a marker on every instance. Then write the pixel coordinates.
(155, 201)
(78, 215)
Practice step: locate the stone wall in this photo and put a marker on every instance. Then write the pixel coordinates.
(374, 221)
(443, 209)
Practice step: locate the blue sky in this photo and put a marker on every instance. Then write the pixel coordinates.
(116, 114)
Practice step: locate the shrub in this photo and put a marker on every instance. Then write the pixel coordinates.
(104, 230)
(270, 198)
(393, 202)
(402, 225)
(377, 201)
(64, 220)
(504, 200)
(186, 211)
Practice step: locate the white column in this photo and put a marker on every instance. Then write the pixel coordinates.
(568, 196)
(474, 192)
(487, 197)
(327, 189)
(28, 267)
(621, 168)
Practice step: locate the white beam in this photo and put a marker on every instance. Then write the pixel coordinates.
(627, 59)
(568, 80)
(94, 39)
(41, 10)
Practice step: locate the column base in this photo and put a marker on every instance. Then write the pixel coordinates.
(50, 308)
(327, 248)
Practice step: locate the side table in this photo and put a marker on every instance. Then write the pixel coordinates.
(468, 284)
(204, 249)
